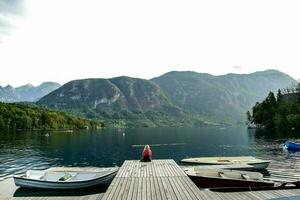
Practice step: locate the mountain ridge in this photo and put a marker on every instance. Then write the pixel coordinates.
(176, 98)
(28, 92)
(212, 96)
(119, 100)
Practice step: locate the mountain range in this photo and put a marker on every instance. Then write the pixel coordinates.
(121, 101)
(27, 92)
(173, 99)
(223, 98)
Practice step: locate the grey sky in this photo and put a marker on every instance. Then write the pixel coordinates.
(8, 10)
(62, 40)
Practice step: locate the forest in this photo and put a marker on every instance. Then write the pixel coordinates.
(278, 112)
(19, 116)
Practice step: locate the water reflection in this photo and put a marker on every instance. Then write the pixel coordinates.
(21, 151)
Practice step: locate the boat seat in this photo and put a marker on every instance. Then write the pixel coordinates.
(58, 176)
(222, 160)
(245, 176)
(221, 174)
(84, 176)
(66, 177)
(35, 174)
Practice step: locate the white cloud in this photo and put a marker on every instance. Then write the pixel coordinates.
(72, 39)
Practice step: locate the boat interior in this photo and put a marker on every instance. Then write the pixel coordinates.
(228, 174)
(226, 160)
(61, 176)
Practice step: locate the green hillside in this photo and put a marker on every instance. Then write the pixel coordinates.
(121, 101)
(173, 99)
(223, 98)
(20, 116)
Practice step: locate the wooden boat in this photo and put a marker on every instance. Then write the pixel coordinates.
(291, 146)
(220, 178)
(243, 167)
(238, 160)
(66, 178)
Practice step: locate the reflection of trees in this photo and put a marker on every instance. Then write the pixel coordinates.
(273, 135)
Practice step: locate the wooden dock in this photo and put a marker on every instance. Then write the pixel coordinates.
(162, 180)
(159, 179)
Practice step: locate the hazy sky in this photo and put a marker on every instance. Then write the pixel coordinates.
(62, 40)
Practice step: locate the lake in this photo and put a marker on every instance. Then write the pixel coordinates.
(21, 151)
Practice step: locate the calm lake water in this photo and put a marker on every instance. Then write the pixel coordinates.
(21, 151)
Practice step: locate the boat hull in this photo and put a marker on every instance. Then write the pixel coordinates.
(33, 183)
(263, 165)
(211, 182)
(256, 163)
(291, 146)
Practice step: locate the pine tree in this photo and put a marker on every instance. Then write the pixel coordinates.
(2, 124)
(298, 92)
(279, 97)
(249, 118)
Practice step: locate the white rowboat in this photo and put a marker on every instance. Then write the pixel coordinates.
(66, 178)
(220, 178)
(238, 160)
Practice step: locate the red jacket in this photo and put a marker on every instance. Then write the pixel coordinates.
(147, 152)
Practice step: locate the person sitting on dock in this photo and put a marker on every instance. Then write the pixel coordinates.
(147, 154)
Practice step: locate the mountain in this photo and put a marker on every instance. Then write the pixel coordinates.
(173, 99)
(27, 92)
(121, 101)
(224, 98)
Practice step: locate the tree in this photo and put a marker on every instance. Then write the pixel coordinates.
(279, 96)
(19, 116)
(249, 117)
(2, 124)
(271, 100)
(298, 87)
(298, 92)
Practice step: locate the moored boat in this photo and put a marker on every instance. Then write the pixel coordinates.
(66, 178)
(291, 146)
(237, 160)
(242, 167)
(220, 178)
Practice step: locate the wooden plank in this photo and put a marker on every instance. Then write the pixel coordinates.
(169, 192)
(140, 188)
(187, 187)
(153, 170)
(161, 188)
(135, 189)
(144, 186)
(131, 189)
(150, 171)
(176, 188)
(160, 192)
(149, 191)
(116, 191)
(192, 188)
(129, 169)
(108, 193)
(168, 169)
(122, 187)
